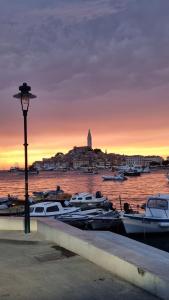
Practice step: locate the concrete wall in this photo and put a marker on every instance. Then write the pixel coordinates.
(135, 262)
(12, 223)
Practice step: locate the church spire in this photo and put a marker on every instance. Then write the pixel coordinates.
(89, 139)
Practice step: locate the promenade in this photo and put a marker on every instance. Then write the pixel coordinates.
(35, 269)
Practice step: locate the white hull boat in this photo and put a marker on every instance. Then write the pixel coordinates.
(87, 198)
(50, 209)
(141, 224)
(155, 219)
(119, 177)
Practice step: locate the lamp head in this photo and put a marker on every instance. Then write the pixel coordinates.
(24, 96)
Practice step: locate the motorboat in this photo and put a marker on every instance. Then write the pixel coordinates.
(80, 219)
(8, 201)
(51, 195)
(18, 171)
(93, 219)
(146, 170)
(33, 171)
(104, 221)
(5, 202)
(116, 177)
(50, 209)
(132, 172)
(155, 219)
(87, 198)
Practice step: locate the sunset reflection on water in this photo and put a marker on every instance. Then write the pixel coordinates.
(134, 190)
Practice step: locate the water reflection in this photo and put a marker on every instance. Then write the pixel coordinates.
(134, 190)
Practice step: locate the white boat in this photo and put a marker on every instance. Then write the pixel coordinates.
(87, 198)
(50, 209)
(116, 177)
(155, 219)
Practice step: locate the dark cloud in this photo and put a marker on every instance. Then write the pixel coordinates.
(100, 59)
(89, 47)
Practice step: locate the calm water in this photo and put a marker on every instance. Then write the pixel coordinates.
(135, 190)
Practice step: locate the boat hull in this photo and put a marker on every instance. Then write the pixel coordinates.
(103, 223)
(133, 224)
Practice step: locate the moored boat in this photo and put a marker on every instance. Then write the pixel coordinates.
(155, 219)
(116, 177)
(132, 172)
(93, 219)
(50, 209)
(5, 202)
(87, 198)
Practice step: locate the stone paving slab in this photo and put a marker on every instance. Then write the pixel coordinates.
(34, 269)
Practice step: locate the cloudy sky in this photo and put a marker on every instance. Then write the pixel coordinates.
(98, 64)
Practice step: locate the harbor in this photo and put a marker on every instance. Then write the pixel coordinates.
(133, 191)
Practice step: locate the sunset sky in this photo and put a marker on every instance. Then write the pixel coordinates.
(98, 64)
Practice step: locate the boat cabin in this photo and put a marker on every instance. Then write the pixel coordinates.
(49, 209)
(87, 198)
(158, 206)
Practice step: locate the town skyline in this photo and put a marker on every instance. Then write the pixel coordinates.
(88, 142)
(81, 154)
(100, 63)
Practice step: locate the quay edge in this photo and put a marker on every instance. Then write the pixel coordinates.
(132, 261)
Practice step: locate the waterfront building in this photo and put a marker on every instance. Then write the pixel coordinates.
(140, 160)
(149, 159)
(89, 139)
(134, 160)
(80, 163)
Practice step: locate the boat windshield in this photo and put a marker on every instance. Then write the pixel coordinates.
(52, 208)
(88, 198)
(158, 204)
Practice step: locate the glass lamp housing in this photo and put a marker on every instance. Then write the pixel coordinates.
(25, 102)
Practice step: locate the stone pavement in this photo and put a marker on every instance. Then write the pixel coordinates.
(34, 269)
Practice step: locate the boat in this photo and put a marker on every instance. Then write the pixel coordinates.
(80, 219)
(87, 198)
(5, 202)
(90, 171)
(51, 195)
(33, 171)
(50, 209)
(17, 170)
(116, 177)
(104, 221)
(132, 172)
(93, 219)
(155, 219)
(146, 170)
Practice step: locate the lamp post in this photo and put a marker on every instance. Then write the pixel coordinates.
(24, 95)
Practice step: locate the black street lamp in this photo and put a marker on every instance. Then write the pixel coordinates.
(24, 95)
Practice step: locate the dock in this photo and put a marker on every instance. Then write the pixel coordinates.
(69, 263)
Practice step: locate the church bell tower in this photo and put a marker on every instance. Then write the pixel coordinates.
(89, 139)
